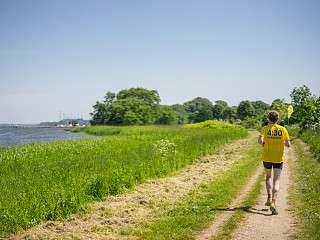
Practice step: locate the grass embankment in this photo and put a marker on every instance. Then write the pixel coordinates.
(305, 197)
(201, 206)
(49, 181)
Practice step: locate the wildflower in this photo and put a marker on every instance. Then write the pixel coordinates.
(164, 148)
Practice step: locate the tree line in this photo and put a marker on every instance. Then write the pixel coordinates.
(140, 106)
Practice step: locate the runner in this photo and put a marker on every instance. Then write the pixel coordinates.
(273, 137)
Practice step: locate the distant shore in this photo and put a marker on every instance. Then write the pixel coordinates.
(35, 126)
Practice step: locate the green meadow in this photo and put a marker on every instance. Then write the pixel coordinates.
(50, 181)
(305, 198)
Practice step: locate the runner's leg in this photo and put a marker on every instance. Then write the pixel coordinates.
(268, 182)
(268, 168)
(276, 186)
(276, 183)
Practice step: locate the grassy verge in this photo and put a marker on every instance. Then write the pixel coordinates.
(201, 206)
(49, 181)
(313, 140)
(235, 220)
(304, 193)
(310, 137)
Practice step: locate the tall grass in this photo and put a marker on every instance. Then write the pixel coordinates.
(313, 140)
(49, 181)
(305, 197)
(306, 183)
(309, 136)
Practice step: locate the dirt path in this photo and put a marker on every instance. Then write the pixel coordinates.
(260, 224)
(218, 222)
(115, 213)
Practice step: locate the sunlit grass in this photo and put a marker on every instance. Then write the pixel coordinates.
(202, 205)
(305, 197)
(49, 181)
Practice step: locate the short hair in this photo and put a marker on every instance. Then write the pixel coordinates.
(273, 116)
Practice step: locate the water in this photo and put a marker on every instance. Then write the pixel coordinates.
(11, 136)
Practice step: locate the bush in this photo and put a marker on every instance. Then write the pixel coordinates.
(251, 123)
(213, 124)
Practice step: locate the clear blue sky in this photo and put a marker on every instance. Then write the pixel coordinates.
(63, 55)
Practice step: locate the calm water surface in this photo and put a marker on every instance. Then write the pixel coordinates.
(11, 136)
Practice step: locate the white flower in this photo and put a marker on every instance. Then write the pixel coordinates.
(164, 148)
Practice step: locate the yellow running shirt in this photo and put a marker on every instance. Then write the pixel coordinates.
(274, 137)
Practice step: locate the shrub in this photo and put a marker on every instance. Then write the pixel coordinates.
(213, 124)
(251, 123)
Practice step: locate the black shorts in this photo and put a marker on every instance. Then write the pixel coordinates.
(270, 165)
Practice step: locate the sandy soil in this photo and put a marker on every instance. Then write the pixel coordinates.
(260, 224)
(115, 213)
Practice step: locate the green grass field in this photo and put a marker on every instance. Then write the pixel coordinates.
(305, 198)
(49, 181)
(313, 140)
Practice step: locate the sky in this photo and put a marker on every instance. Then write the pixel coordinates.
(63, 56)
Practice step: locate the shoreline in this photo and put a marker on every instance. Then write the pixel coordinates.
(38, 126)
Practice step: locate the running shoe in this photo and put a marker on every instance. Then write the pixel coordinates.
(268, 202)
(273, 209)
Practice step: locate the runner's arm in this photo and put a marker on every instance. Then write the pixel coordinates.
(261, 136)
(287, 143)
(260, 140)
(287, 139)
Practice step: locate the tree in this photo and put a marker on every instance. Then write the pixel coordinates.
(166, 116)
(260, 108)
(151, 97)
(131, 111)
(102, 110)
(134, 106)
(281, 107)
(229, 113)
(222, 103)
(199, 109)
(310, 112)
(298, 96)
(100, 114)
(181, 113)
(245, 110)
(109, 98)
(218, 109)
